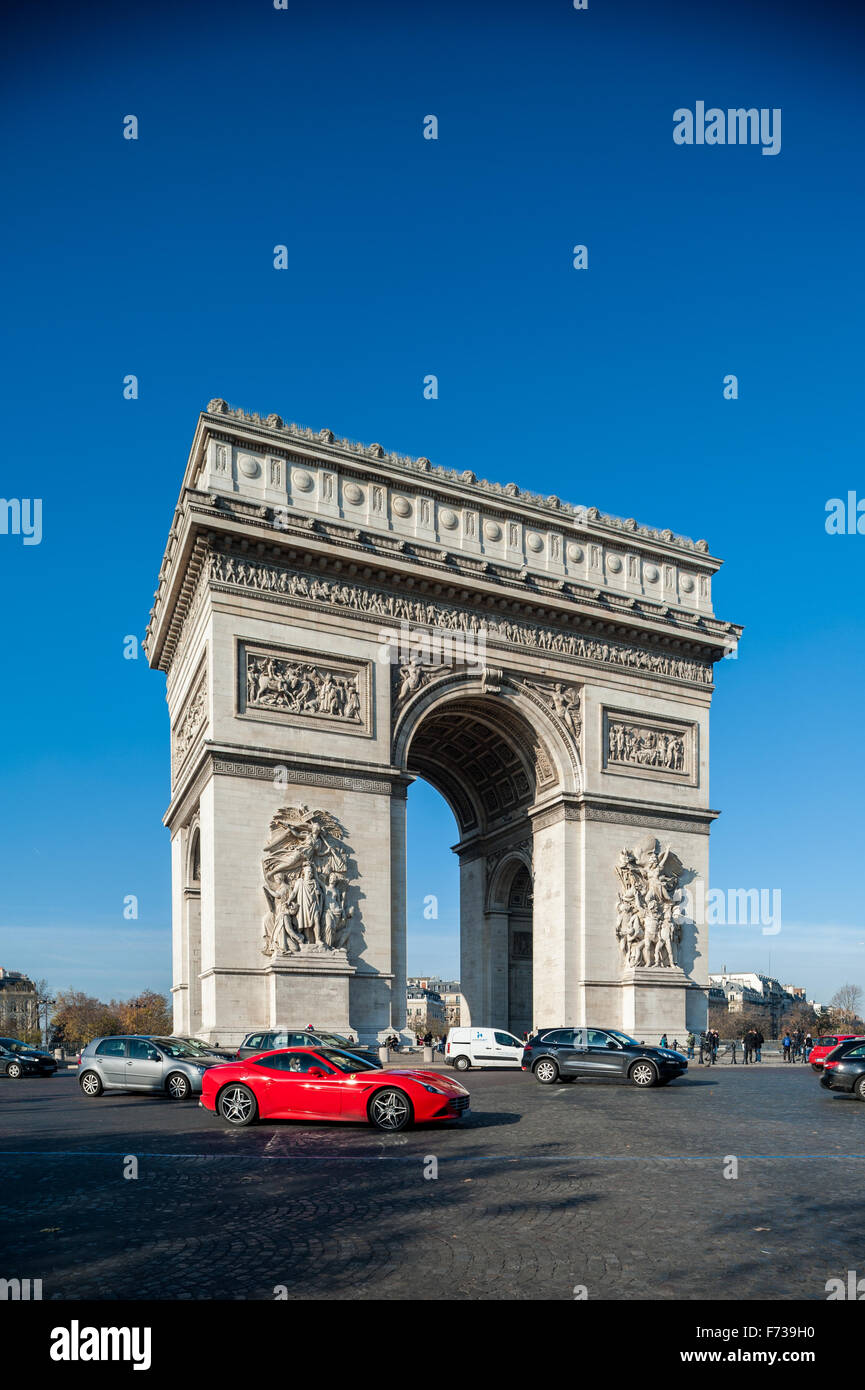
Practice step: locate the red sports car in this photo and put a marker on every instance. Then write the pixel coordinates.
(324, 1083)
(823, 1046)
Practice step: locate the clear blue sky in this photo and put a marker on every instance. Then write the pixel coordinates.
(452, 257)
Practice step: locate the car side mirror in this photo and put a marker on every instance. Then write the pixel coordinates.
(316, 1071)
(613, 1045)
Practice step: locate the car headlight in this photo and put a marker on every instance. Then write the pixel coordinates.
(434, 1090)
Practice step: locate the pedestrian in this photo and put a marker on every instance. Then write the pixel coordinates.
(691, 1042)
(664, 1042)
(704, 1043)
(675, 1044)
(746, 1047)
(733, 1052)
(787, 1045)
(758, 1044)
(716, 1042)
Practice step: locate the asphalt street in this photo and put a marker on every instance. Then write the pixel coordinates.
(541, 1193)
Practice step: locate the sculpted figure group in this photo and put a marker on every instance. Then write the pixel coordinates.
(305, 883)
(649, 910)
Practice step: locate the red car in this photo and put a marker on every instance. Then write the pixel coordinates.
(823, 1046)
(323, 1083)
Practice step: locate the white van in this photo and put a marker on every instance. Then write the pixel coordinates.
(482, 1047)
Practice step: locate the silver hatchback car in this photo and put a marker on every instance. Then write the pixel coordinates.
(166, 1065)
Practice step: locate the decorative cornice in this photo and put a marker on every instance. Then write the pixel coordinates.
(325, 441)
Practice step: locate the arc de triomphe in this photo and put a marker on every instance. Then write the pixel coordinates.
(335, 621)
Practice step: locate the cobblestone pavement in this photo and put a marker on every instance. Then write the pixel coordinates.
(540, 1189)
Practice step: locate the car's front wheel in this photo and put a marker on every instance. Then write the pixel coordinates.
(178, 1086)
(237, 1105)
(643, 1074)
(390, 1110)
(90, 1084)
(546, 1071)
(859, 1088)
(14, 1070)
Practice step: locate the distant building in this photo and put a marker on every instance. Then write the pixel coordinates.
(750, 992)
(425, 1010)
(455, 1006)
(18, 1008)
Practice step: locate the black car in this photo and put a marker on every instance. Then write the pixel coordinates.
(844, 1068)
(276, 1038)
(564, 1054)
(46, 1065)
(13, 1066)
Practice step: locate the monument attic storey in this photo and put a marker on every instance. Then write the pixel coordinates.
(567, 726)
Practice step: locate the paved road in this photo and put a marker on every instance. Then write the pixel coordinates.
(539, 1190)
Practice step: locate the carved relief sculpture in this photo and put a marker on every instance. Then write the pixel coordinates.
(190, 723)
(564, 701)
(649, 909)
(300, 687)
(305, 868)
(254, 574)
(643, 746)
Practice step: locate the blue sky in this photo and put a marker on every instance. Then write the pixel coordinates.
(452, 257)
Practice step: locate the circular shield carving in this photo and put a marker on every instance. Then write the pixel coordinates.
(402, 506)
(535, 542)
(353, 494)
(448, 518)
(302, 480)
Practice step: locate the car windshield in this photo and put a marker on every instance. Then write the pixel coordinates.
(623, 1038)
(197, 1046)
(175, 1048)
(343, 1062)
(334, 1039)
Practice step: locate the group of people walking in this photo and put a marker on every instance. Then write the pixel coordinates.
(797, 1045)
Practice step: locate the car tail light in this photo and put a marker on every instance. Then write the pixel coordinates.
(828, 1065)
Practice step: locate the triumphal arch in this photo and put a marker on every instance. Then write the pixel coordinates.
(335, 621)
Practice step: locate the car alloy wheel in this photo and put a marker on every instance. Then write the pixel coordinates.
(462, 1063)
(177, 1085)
(237, 1105)
(90, 1084)
(545, 1072)
(14, 1070)
(860, 1088)
(390, 1110)
(643, 1074)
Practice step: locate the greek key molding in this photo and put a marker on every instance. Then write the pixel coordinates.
(262, 772)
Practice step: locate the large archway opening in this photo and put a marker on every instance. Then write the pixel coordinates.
(491, 766)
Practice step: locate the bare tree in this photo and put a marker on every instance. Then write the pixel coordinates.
(847, 1002)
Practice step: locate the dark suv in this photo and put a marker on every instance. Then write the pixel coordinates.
(564, 1054)
(254, 1043)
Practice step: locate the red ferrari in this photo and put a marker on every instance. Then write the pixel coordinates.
(307, 1083)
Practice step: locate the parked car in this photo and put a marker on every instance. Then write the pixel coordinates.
(823, 1046)
(564, 1054)
(136, 1063)
(482, 1047)
(14, 1065)
(326, 1083)
(254, 1043)
(46, 1065)
(228, 1054)
(844, 1068)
